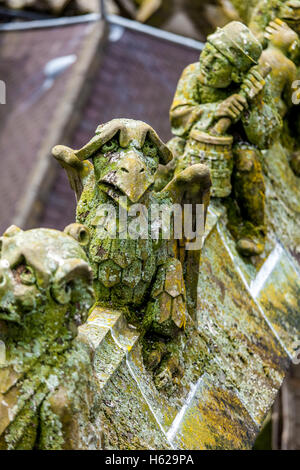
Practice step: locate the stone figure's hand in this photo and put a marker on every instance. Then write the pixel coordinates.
(279, 31)
(232, 107)
(66, 157)
(253, 84)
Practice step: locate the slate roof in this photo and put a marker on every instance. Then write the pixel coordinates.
(31, 101)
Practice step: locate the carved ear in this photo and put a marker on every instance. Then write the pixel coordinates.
(12, 231)
(71, 270)
(79, 232)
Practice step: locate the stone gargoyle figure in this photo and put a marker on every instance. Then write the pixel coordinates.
(139, 275)
(47, 389)
(212, 119)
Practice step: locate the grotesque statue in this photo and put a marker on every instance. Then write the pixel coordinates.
(46, 380)
(214, 95)
(138, 272)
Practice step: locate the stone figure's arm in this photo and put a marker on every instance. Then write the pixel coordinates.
(232, 109)
(76, 163)
(186, 107)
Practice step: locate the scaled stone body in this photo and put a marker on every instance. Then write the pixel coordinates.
(138, 274)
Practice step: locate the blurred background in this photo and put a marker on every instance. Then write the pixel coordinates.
(68, 65)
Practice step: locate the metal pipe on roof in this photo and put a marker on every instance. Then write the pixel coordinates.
(50, 23)
(155, 32)
(112, 19)
(28, 15)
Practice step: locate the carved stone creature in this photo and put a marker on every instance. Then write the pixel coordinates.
(140, 275)
(211, 116)
(47, 390)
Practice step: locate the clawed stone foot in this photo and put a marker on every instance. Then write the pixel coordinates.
(164, 365)
(168, 374)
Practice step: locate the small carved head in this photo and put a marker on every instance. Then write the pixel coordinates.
(128, 157)
(44, 277)
(228, 54)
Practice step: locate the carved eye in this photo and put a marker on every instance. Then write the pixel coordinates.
(109, 146)
(68, 290)
(27, 275)
(150, 149)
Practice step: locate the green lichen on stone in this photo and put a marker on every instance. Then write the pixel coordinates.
(45, 294)
(216, 99)
(132, 273)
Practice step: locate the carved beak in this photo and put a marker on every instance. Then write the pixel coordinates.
(132, 177)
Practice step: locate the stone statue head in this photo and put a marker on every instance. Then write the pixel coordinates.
(45, 281)
(228, 54)
(128, 157)
(125, 155)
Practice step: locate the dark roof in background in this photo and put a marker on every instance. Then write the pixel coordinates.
(136, 79)
(31, 101)
(7, 15)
